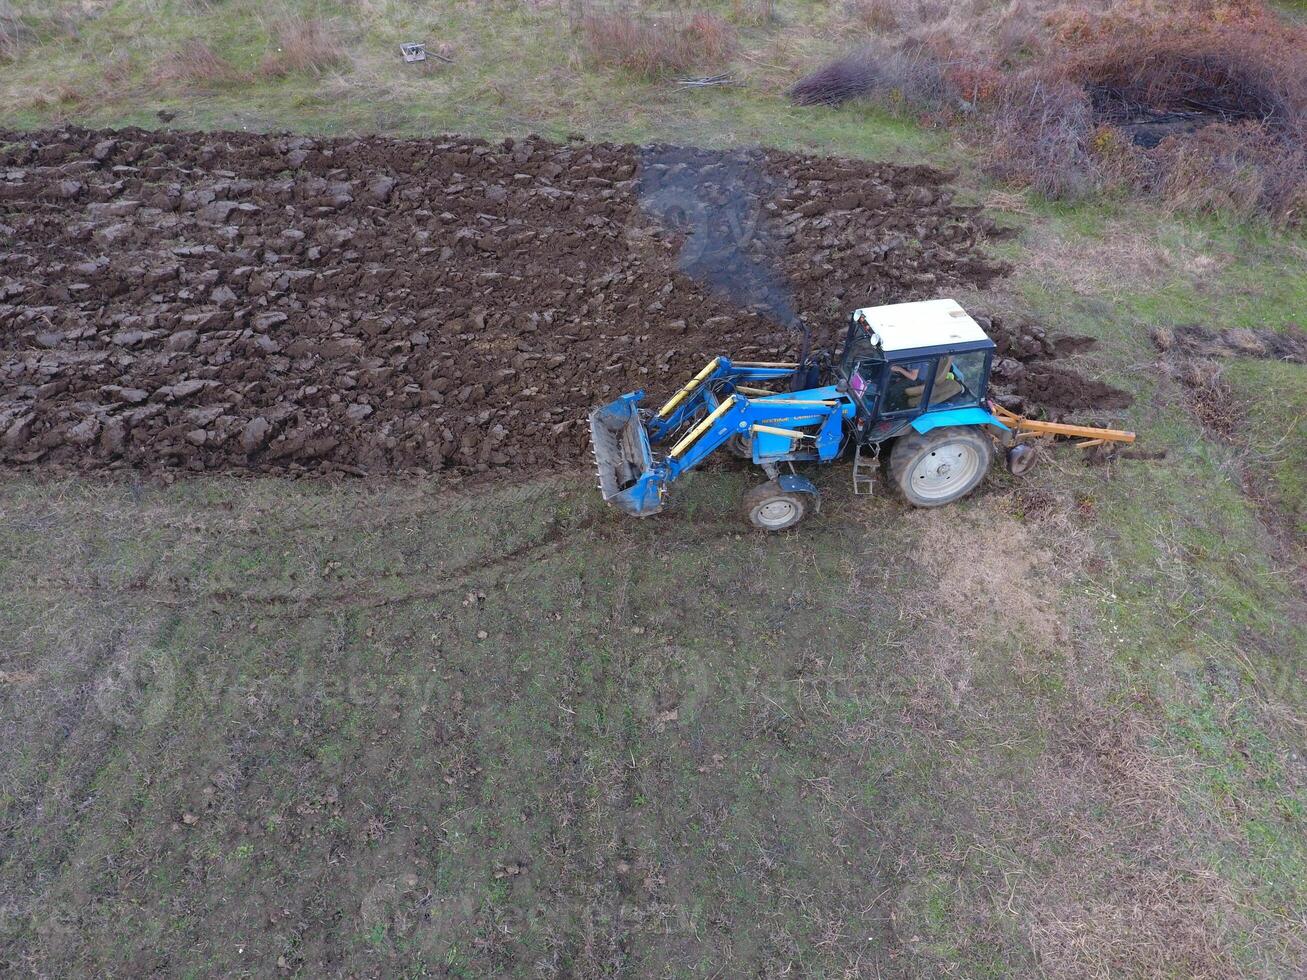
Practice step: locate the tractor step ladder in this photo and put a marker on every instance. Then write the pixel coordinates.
(864, 472)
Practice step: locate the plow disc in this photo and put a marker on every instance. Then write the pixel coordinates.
(1023, 433)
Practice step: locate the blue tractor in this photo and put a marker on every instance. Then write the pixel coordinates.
(909, 390)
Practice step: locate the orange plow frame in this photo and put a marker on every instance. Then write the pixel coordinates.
(1025, 430)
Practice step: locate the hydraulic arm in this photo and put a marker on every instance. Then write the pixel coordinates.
(723, 401)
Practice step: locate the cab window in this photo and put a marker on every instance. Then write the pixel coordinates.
(864, 379)
(906, 385)
(959, 379)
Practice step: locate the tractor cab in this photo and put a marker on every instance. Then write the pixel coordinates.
(921, 364)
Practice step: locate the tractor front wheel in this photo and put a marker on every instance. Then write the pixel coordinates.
(769, 508)
(941, 466)
(739, 445)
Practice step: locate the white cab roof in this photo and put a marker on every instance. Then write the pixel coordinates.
(934, 323)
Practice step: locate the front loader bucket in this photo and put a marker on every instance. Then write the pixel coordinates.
(628, 478)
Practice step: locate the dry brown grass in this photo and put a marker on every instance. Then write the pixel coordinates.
(306, 46)
(1236, 169)
(878, 15)
(25, 26)
(1123, 260)
(755, 13)
(656, 46)
(13, 33)
(965, 556)
(1123, 896)
(195, 66)
(1105, 883)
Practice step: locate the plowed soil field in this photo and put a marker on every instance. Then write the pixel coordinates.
(220, 301)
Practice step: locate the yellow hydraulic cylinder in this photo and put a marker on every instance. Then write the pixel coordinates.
(694, 382)
(772, 430)
(702, 427)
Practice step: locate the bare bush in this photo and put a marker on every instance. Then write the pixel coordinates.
(306, 46)
(1040, 136)
(1122, 163)
(1232, 97)
(911, 77)
(1236, 168)
(652, 47)
(1230, 75)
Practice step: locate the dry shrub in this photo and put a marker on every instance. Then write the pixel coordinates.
(1018, 27)
(977, 84)
(1202, 103)
(1231, 74)
(1210, 398)
(306, 46)
(1231, 89)
(13, 33)
(1209, 170)
(652, 47)
(913, 77)
(854, 76)
(195, 65)
(1040, 136)
(1122, 164)
(879, 15)
(1237, 168)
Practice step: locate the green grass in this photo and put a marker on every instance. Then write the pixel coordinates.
(1199, 600)
(1210, 271)
(1273, 398)
(495, 714)
(515, 69)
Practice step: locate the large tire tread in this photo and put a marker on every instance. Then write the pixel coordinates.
(908, 449)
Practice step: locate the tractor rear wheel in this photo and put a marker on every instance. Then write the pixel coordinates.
(769, 508)
(941, 466)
